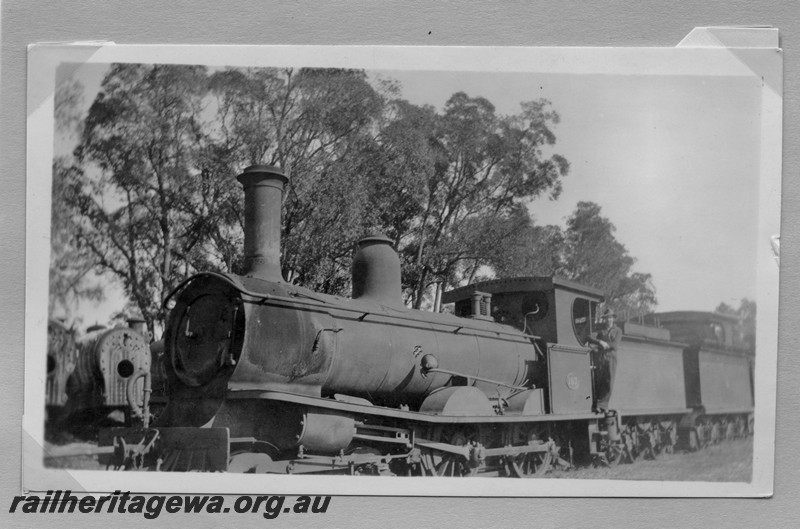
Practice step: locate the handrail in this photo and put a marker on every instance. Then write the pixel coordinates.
(322, 304)
(472, 377)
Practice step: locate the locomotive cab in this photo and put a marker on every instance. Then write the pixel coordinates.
(558, 315)
(553, 309)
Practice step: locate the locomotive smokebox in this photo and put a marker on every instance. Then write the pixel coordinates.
(376, 271)
(263, 195)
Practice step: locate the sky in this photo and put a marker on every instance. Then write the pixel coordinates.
(673, 161)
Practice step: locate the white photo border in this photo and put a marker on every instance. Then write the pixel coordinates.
(42, 63)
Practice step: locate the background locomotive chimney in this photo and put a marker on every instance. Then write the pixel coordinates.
(376, 271)
(263, 194)
(137, 324)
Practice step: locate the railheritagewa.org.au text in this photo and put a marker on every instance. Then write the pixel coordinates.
(151, 506)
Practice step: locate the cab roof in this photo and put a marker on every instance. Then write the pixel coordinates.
(520, 284)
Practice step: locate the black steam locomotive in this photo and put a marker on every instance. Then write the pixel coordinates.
(265, 376)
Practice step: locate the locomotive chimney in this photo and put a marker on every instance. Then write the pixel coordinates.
(263, 195)
(137, 324)
(376, 271)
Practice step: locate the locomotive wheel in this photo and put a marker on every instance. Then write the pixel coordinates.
(524, 465)
(715, 433)
(702, 436)
(438, 463)
(614, 456)
(668, 438)
(627, 447)
(693, 442)
(620, 451)
(646, 446)
(617, 453)
(741, 428)
(454, 466)
(529, 465)
(730, 431)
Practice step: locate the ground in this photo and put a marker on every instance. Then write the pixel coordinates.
(730, 461)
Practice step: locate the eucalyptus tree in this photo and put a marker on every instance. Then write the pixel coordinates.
(145, 201)
(593, 256)
(319, 125)
(485, 167)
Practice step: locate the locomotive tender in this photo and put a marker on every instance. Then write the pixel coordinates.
(265, 376)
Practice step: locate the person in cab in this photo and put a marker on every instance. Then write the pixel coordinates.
(605, 344)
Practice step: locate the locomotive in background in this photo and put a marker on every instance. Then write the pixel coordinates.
(62, 355)
(104, 371)
(265, 376)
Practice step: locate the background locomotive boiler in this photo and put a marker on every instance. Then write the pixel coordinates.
(265, 376)
(106, 360)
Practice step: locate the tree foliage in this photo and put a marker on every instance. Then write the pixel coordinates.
(746, 312)
(67, 101)
(585, 251)
(530, 250)
(481, 166)
(318, 125)
(594, 257)
(146, 201)
(361, 158)
(71, 265)
(152, 196)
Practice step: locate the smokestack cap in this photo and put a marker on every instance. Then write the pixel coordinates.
(255, 173)
(374, 237)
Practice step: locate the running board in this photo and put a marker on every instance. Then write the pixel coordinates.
(364, 409)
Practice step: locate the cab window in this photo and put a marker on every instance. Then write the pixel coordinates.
(584, 313)
(581, 319)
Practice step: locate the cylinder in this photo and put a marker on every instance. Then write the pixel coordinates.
(263, 196)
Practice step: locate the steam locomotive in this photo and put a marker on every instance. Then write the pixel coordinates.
(266, 376)
(101, 372)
